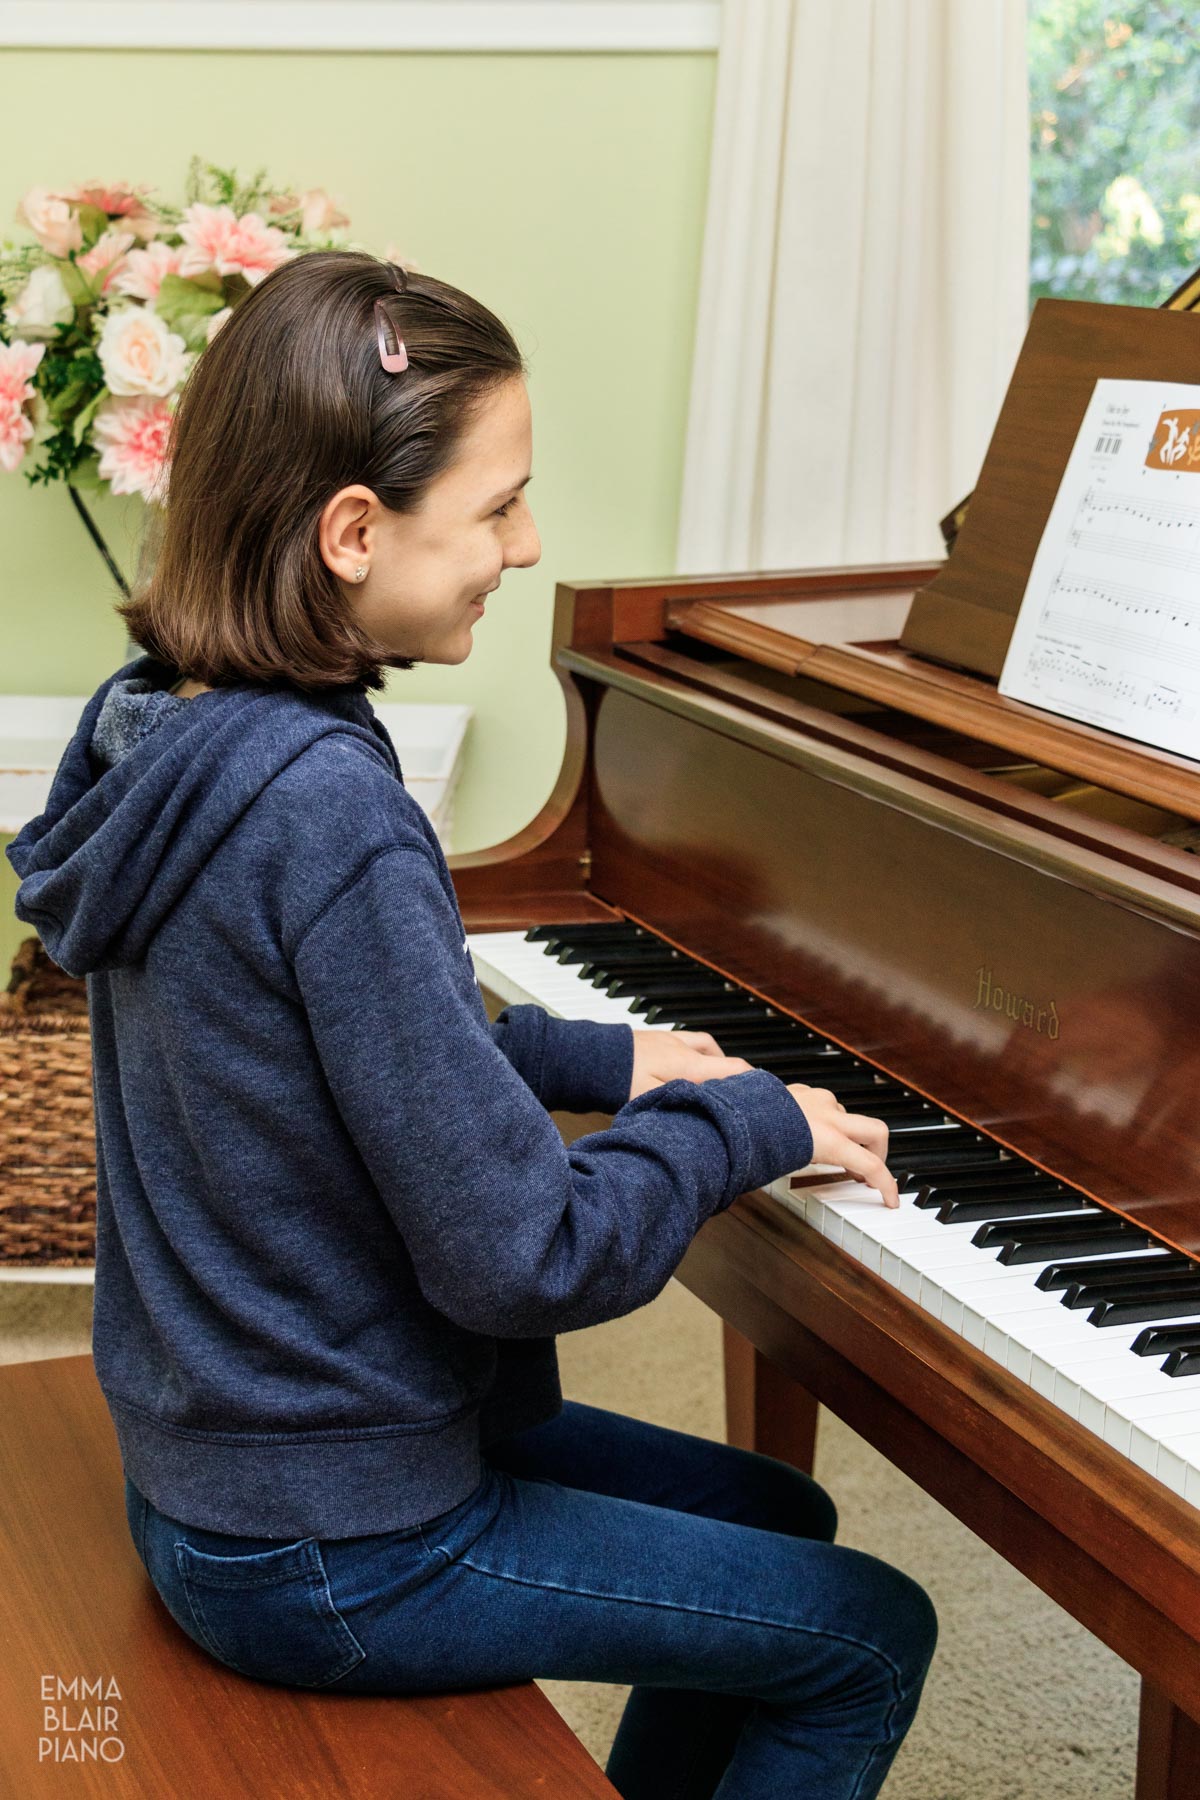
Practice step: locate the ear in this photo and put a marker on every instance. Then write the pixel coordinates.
(346, 534)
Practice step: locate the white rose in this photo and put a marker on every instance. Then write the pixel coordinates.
(41, 304)
(139, 355)
(52, 221)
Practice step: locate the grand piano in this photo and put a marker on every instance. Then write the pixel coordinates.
(794, 810)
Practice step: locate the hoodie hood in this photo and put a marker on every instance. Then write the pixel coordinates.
(147, 788)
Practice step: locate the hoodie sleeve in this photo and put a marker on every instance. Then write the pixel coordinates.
(511, 1233)
(572, 1065)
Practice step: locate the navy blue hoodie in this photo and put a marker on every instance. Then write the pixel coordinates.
(337, 1228)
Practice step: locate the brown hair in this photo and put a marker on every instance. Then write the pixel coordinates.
(288, 404)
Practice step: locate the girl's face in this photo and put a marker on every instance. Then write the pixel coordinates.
(429, 572)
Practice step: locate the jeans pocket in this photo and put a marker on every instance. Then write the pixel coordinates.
(270, 1615)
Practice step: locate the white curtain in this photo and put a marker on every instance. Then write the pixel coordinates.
(864, 284)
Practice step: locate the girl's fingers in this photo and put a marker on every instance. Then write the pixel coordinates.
(871, 1133)
(865, 1166)
(720, 1068)
(703, 1041)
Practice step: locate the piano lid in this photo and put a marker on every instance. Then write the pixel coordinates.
(852, 637)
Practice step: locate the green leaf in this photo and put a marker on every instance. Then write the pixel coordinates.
(94, 223)
(83, 419)
(181, 297)
(79, 289)
(86, 474)
(208, 279)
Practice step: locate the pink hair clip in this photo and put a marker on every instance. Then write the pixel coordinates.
(392, 353)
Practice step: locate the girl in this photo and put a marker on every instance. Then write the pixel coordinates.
(337, 1228)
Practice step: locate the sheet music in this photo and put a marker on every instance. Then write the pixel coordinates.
(1109, 628)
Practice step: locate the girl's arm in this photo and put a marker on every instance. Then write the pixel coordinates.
(510, 1232)
(572, 1065)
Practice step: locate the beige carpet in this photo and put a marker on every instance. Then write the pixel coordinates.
(1021, 1704)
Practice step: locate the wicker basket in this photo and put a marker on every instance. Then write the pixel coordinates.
(47, 1129)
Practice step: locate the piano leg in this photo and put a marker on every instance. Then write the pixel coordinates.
(765, 1409)
(1168, 1765)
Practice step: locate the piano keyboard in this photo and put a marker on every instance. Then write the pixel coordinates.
(1090, 1311)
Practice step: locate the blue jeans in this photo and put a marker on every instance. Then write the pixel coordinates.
(765, 1662)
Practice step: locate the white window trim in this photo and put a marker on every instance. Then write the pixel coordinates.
(366, 25)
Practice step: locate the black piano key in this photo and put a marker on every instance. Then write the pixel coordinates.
(1009, 1206)
(1182, 1362)
(1090, 1290)
(1012, 1254)
(775, 1052)
(761, 1035)
(1156, 1340)
(636, 951)
(919, 1110)
(1176, 1301)
(919, 1171)
(842, 1082)
(933, 1165)
(645, 991)
(778, 1046)
(700, 1015)
(1019, 1246)
(1095, 1224)
(722, 1021)
(1062, 1274)
(918, 1142)
(616, 930)
(1007, 1175)
(600, 966)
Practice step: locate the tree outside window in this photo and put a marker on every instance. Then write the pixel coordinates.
(1115, 93)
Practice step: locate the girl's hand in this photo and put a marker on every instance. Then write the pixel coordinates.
(660, 1056)
(847, 1140)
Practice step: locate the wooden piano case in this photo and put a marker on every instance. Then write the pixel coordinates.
(887, 862)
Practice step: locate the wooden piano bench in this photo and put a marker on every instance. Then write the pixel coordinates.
(102, 1694)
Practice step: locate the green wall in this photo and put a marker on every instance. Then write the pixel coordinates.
(567, 191)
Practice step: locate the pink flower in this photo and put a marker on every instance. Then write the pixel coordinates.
(215, 238)
(258, 248)
(52, 221)
(120, 201)
(105, 258)
(132, 436)
(208, 233)
(18, 361)
(141, 274)
(15, 433)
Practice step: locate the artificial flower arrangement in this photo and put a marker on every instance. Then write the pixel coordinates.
(107, 310)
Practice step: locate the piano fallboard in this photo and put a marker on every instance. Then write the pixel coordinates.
(1037, 988)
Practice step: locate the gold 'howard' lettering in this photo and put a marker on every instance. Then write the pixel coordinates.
(992, 996)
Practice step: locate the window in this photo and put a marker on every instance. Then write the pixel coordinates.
(1115, 101)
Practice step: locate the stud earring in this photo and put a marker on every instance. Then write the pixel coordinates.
(359, 573)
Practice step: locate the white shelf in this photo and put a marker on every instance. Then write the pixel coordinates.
(36, 728)
(79, 1277)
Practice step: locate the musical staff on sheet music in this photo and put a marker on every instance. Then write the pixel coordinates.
(1109, 628)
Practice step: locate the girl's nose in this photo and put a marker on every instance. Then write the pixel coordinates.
(525, 546)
